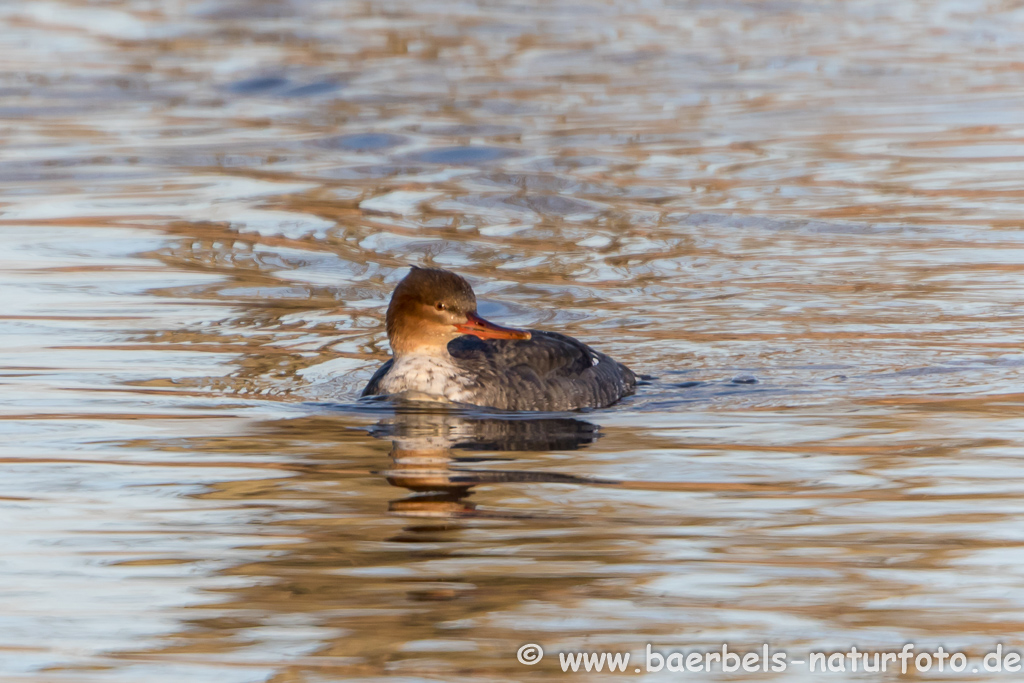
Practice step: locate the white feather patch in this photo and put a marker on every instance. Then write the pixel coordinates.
(432, 375)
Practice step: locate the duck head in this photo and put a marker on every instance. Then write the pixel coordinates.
(430, 307)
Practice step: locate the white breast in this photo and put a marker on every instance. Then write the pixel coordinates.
(432, 375)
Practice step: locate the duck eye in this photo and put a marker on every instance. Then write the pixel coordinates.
(440, 306)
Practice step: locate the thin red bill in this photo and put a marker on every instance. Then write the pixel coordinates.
(478, 327)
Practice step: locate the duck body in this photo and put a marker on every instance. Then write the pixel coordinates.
(444, 350)
(549, 371)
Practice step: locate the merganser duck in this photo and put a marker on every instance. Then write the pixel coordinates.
(441, 348)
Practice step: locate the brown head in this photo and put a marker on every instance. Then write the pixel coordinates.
(430, 307)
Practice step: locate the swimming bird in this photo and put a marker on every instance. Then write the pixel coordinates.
(441, 348)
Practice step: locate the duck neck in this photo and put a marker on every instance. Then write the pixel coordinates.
(401, 349)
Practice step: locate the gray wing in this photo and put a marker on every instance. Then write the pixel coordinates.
(548, 371)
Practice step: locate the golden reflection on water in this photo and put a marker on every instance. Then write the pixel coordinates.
(801, 221)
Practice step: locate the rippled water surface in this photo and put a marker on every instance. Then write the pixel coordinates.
(801, 220)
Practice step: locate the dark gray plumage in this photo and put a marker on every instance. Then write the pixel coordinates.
(549, 371)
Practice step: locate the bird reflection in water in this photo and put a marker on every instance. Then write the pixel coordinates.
(424, 459)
